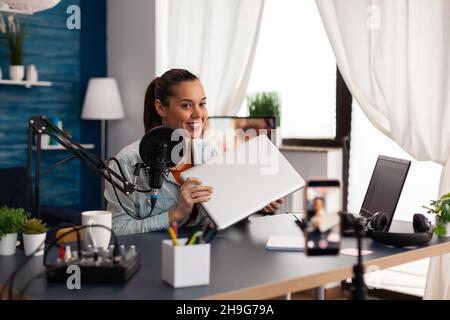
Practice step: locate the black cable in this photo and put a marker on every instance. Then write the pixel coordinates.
(50, 268)
(21, 293)
(28, 181)
(118, 165)
(91, 160)
(75, 229)
(10, 279)
(55, 242)
(118, 199)
(123, 176)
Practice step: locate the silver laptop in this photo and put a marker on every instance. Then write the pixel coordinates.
(245, 180)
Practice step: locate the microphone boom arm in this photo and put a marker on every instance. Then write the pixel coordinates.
(39, 125)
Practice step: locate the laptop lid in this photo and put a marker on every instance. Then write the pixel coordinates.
(385, 187)
(245, 180)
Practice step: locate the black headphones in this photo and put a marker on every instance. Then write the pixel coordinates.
(377, 228)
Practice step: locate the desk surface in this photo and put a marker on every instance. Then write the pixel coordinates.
(241, 268)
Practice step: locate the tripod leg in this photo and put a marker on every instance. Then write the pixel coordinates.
(358, 291)
(319, 293)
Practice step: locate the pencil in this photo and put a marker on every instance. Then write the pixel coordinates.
(173, 236)
(194, 237)
(175, 228)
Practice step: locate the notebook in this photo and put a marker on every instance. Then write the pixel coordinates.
(245, 180)
(285, 243)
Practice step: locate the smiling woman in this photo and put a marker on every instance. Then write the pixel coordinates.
(176, 100)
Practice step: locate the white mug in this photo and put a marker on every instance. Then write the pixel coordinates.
(97, 236)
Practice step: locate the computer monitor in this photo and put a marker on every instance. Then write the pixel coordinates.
(226, 133)
(385, 187)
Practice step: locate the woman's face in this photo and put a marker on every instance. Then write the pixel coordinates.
(318, 205)
(187, 108)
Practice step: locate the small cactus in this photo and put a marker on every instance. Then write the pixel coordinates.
(34, 226)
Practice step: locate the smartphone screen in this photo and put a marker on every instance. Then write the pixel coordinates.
(323, 220)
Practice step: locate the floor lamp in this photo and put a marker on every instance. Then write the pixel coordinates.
(102, 102)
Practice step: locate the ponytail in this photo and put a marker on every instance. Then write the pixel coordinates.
(151, 117)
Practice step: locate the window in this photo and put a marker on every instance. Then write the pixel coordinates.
(294, 57)
(422, 182)
(421, 186)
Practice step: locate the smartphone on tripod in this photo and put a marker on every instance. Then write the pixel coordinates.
(323, 232)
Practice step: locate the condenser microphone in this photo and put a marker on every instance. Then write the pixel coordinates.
(160, 149)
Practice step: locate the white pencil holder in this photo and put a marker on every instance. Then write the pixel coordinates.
(185, 265)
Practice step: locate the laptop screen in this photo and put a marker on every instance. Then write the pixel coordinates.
(226, 133)
(385, 187)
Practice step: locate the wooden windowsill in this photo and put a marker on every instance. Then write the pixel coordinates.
(307, 149)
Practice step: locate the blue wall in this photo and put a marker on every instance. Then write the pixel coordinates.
(56, 51)
(93, 64)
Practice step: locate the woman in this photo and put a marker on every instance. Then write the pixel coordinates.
(176, 100)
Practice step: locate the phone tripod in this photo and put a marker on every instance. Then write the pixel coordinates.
(356, 224)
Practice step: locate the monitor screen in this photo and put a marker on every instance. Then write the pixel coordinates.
(226, 133)
(385, 187)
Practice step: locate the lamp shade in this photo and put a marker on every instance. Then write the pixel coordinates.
(102, 101)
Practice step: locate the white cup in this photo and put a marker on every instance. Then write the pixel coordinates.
(97, 236)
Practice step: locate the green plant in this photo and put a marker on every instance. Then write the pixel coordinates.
(265, 104)
(441, 209)
(11, 220)
(34, 226)
(15, 36)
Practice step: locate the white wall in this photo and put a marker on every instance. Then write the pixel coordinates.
(131, 60)
(312, 163)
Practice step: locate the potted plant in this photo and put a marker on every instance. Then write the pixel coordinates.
(15, 35)
(441, 210)
(266, 104)
(34, 233)
(11, 221)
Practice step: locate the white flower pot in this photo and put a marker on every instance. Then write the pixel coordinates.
(8, 244)
(447, 227)
(16, 73)
(32, 242)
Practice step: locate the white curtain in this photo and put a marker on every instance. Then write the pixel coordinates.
(395, 59)
(215, 39)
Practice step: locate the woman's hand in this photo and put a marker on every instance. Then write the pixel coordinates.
(191, 192)
(273, 206)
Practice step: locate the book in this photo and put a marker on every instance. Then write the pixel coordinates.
(285, 243)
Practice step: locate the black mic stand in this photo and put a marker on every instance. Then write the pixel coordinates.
(39, 125)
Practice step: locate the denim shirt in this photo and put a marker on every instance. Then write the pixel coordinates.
(139, 203)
